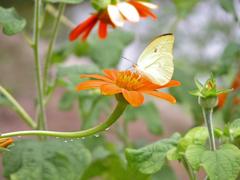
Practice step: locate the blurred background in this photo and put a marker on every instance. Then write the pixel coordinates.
(207, 39)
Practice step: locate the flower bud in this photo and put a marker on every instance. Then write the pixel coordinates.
(100, 4)
(208, 102)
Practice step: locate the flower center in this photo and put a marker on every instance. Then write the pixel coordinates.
(128, 80)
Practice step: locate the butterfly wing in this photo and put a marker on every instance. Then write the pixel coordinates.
(156, 61)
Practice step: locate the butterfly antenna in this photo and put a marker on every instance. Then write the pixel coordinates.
(128, 60)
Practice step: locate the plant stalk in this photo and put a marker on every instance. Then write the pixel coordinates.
(36, 33)
(78, 134)
(51, 45)
(18, 108)
(207, 114)
(191, 174)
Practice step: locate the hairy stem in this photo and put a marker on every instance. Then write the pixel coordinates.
(51, 45)
(207, 114)
(18, 108)
(78, 134)
(36, 33)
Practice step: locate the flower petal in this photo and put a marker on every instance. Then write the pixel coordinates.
(172, 83)
(77, 31)
(133, 97)
(90, 84)
(128, 11)
(102, 30)
(115, 15)
(162, 95)
(89, 29)
(111, 73)
(96, 76)
(142, 9)
(5, 142)
(148, 5)
(110, 89)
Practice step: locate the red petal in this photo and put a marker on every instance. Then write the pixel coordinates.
(102, 30)
(82, 27)
(89, 29)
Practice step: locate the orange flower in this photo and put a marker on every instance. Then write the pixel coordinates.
(130, 84)
(236, 86)
(144, 8)
(5, 142)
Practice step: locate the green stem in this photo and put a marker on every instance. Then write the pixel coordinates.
(18, 108)
(78, 134)
(36, 33)
(191, 174)
(207, 114)
(51, 44)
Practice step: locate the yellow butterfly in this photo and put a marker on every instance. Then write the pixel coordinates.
(156, 61)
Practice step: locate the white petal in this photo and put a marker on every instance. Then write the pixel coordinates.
(129, 12)
(149, 5)
(115, 15)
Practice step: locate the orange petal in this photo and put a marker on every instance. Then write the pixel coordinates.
(90, 84)
(162, 95)
(133, 97)
(102, 30)
(111, 73)
(172, 83)
(143, 10)
(5, 142)
(77, 31)
(96, 76)
(110, 89)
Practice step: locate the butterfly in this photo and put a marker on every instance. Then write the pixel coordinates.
(156, 61)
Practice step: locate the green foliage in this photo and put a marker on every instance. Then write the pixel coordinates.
(100, 4)
(65, 1)
(221, 164)
(151, 158)
(234, 128)
(11, 22)
(149, 113)
(107, 53)
(228, 59)
(184, 7)
(228, 6)
(46, 160)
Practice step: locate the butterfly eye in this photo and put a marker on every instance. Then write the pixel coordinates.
(155, 50)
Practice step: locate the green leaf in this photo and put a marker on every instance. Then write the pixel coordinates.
(197, 135)
(65, 1)
(147, 112)
(184, 7)
(107, 53)
(194, 154)
(234, 128)
(223, 163)
(166, 173)
(11, 22)
(66, 101)
(151, 158)
(111, 167)
(47, 160)
(228, 6)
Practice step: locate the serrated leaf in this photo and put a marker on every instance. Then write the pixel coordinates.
(151, 158)
(48, 160)
(223, 163)
(65, 1)
(11, 22)
(147, 112)
(193, 155)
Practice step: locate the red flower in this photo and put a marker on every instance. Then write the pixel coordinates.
(144, 8)
(131, 85)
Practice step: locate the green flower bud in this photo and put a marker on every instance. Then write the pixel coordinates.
(208, 102)
(100, 4)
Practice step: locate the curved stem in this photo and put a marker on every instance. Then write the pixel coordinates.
(51, 44)
(207, 114)
(36, 33)
(18, 108)
(78, 134)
